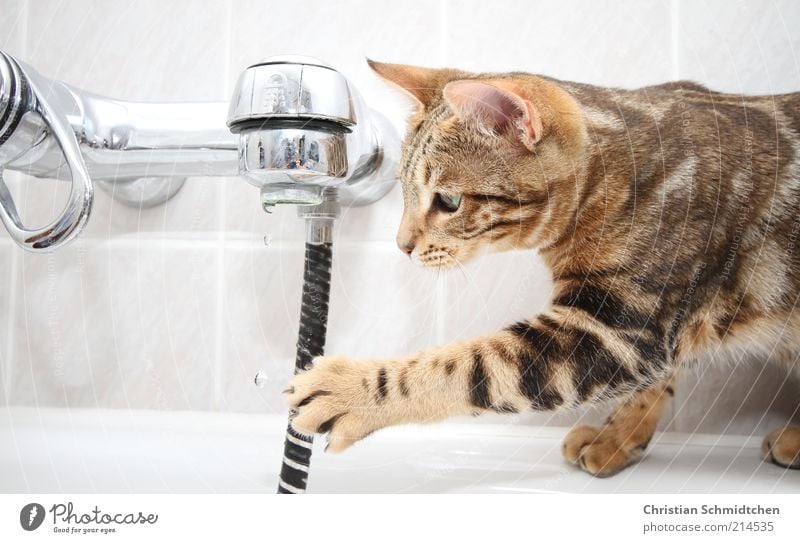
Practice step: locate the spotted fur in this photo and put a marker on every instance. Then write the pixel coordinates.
(669, 216)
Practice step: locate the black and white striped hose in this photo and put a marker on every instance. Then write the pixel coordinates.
(310, 343)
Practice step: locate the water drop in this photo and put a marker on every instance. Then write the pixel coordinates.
(260, 379)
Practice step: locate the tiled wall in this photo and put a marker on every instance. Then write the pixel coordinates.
(178, 306)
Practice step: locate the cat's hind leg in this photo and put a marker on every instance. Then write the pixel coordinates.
(782, 447)
(622, 439)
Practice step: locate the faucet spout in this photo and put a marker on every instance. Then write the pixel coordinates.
(304, 128)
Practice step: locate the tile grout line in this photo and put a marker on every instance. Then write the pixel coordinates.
(443, 32)
(219, 310)
(14, 281)
(221, 210)
(674, 38)
(12, 306)
(25, 28)
(222, 242)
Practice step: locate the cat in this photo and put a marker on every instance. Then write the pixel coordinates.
(669, 216)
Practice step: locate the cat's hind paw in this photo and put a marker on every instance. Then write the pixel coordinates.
(782, 447)
(596, 451)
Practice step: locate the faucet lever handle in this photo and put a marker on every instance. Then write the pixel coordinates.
(76, 212)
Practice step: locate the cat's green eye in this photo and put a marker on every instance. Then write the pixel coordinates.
(448, 202)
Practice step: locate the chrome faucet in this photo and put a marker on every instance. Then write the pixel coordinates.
(304, 129)
(296, 128)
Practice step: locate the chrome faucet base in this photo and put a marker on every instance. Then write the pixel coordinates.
(144, 192)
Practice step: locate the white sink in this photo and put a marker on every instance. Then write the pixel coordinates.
(61, 450)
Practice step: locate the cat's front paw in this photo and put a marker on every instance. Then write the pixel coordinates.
(333, 398)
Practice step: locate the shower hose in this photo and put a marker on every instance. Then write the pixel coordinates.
(310, 343)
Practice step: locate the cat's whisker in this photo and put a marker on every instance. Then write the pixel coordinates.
(484, 301)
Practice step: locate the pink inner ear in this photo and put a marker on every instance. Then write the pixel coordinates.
(496, 109)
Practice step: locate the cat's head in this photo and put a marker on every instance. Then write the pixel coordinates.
(487, 163)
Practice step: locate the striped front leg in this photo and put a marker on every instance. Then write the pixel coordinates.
(563, 358)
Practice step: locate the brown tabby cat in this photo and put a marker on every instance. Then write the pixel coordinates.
(669, 216)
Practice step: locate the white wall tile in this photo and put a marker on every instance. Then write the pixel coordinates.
(12, 27)
(195, 211)
(131, 51)
(246, 220)
(260, 311)
(740, 47)
(6, 256)
(736, 395)
(116, 325)
(493, 291)
(343, 35)
(145, 50)
(607, 42)
(380, 307)
(378, 221)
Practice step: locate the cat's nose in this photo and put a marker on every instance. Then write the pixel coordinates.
(406, 245)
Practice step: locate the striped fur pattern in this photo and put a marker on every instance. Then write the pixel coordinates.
(669, 216)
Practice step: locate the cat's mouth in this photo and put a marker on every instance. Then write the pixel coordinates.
(436, 257)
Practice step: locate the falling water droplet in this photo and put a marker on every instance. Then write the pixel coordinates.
(267, 240)
(260, 379)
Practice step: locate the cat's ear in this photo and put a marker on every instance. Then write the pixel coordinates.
(423, 84)
(497, 107)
